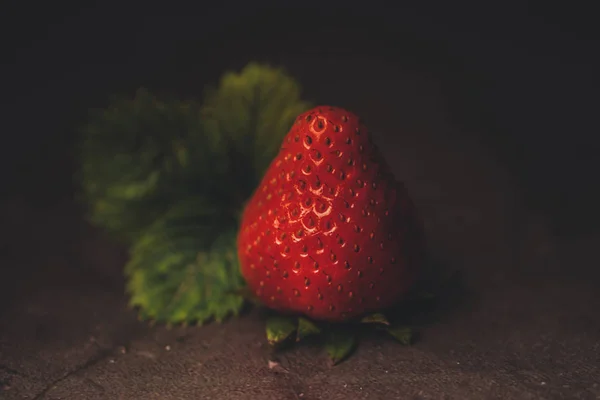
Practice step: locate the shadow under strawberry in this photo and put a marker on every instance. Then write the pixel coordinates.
(434, 296)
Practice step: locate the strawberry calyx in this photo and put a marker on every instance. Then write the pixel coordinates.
(338, 340)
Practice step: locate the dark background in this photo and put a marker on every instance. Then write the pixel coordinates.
(522, 75)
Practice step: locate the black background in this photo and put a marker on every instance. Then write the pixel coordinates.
(522, 74)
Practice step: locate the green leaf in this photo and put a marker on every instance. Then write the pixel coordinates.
(138, 156)
(306, 328)
(180, 271)
(402, 334)
(376, 318)
(249, 114)
(339, 345)
(132, 156)
(279, 328)
(170, 178)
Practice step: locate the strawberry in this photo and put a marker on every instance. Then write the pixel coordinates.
(329, 233)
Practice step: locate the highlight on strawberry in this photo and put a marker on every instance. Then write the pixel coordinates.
(253, 196)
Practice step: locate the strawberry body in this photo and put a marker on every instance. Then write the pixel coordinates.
(329, 233)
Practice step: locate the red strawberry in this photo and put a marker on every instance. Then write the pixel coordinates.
(329, 233)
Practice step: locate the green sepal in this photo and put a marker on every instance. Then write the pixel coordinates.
(402, 334)
(180, 272)
(306, 328)
(376, 318)
(280, 328)
(339, 344)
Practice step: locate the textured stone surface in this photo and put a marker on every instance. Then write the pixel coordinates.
(68, 335)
